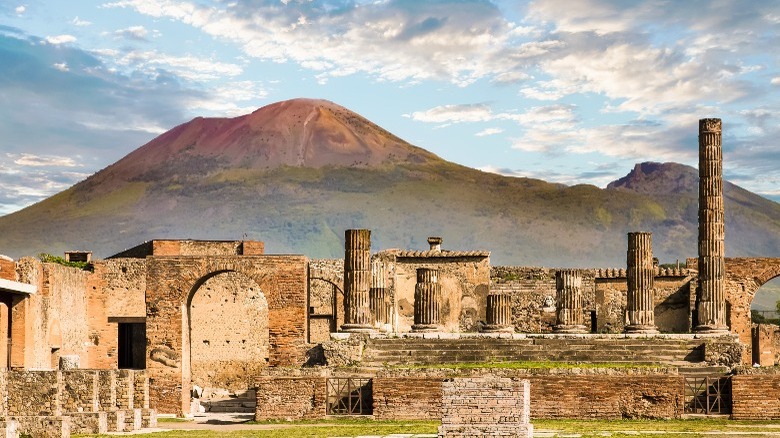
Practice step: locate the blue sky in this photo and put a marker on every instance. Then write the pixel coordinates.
(567, 91)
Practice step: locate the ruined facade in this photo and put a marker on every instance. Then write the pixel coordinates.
(200, 316)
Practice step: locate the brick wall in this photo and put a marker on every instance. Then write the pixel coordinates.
(34, 393)
(755, 397)
(290, 398)
(407, 398)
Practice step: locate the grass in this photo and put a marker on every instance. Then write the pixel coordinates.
(530, 365)
(688, 428)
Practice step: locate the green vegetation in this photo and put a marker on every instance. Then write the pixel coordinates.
(688, 428)
(530, 365)
(48, 258)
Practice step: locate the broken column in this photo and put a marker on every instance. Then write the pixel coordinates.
(640, 276)
(427, 296)
(380, 299)
(568, 286)
(710, 296)
(357, 281)
(499, 313)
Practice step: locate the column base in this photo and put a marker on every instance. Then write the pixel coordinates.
(357, 328)
(712, 329)
(641, 329)
(425, 328)
(573, 329)
(496, 328)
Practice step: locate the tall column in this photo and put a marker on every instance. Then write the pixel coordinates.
(499, 313)
(357, 281)
(568, 287)
(640, 275)
(427, 296)
(711, 298)
(380, 300)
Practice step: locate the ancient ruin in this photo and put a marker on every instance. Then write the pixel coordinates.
(220, 325)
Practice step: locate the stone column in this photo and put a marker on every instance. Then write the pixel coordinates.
(568, 285)
(357, 281)
(499, 313)
(640, 275)
(427, 296)
(380, 299)
(711, 298)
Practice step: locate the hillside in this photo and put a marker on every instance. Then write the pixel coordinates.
(296, 174)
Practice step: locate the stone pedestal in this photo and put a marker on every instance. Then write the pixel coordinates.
(711, 297)
(427, 298)
(568, 286)
(357, 281)
(498, 314)
(640, 275)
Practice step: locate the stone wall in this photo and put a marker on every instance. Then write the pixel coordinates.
(407, 398)
(756, 396)
(417, 394)
(290, 398)
(465, 283)
(604, 292)
(326, 298)
(533, 296)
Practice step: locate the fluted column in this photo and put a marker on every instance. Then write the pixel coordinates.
(711, 297)
(357, 281)
(380, 300)
(499, 313)
(640, 275)
(427, 298)
(568, 287)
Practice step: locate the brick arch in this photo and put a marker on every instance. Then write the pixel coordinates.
(171, 282)
(769, 274)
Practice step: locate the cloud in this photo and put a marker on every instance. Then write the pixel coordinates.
(489, 131)
(397, 40)
(79, 22)
(154, 64)
(20, 9)
(60, 39)
(137, 33)
(61, 66)
(33, 160)
(453, 114)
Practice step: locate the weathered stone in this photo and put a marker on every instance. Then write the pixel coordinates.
(640, 274)
(427, 299)
(569, 318)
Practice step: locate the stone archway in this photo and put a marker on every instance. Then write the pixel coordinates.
(171, 281)
(744, 276)
(228, 334)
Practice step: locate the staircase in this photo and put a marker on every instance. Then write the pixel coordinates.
(423, 351)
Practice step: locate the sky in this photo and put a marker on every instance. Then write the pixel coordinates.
(574, 92)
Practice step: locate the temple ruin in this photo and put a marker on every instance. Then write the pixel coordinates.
(182, 326)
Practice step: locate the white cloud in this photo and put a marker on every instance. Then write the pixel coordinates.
(79, 22)
(489, 131)
(187, 67)
(133, 32)
(20, 9)
(32, 160)
(776, 80)
(60, 39)
(61, 66)
(453, 114)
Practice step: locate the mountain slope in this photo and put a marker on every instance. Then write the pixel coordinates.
(297, 173)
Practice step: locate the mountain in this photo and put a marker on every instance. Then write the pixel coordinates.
(295, 174)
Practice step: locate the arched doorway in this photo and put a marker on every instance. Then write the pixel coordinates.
(765, 330)
(228, 339)
(326, 309)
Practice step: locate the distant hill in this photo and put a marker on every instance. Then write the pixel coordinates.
(295, 174)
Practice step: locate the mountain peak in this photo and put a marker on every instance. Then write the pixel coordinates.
(651, 178)
(297, 133)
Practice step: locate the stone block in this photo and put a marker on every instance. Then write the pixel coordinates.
(148, 418)
(133, 419)
(116, 420)
(43, 426)
(88, 422)
(9, 429)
